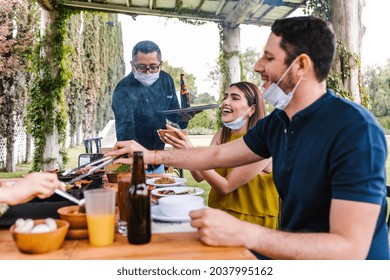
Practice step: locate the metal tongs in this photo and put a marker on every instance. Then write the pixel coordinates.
(69, 171)
(105, 161)
(80, 202)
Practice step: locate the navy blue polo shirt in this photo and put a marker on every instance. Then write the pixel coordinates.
(333, 149)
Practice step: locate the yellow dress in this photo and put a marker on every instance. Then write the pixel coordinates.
(255, 202)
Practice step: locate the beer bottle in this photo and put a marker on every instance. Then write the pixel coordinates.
(184, 93)
(138, 214)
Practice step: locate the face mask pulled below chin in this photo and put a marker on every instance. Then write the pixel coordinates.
(275, 96)
(145, 79)
(238, 123)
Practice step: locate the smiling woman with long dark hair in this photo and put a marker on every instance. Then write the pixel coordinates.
(247, 192)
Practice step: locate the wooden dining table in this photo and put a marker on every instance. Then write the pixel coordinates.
(166, 244)
(163, 246)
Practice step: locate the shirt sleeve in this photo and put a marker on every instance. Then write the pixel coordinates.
(359, 150)
(256, 139)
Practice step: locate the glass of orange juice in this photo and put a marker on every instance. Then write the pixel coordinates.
(100, 210)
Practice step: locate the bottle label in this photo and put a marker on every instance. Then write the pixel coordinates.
(142, 189)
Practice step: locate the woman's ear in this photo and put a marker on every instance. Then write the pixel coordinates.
(251, 111)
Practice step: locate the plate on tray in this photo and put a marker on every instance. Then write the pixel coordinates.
(177, 191)
(178, 181)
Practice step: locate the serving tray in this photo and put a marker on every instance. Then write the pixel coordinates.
(191, 109)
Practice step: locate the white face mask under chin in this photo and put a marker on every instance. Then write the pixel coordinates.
(237, 123)
(276, 96)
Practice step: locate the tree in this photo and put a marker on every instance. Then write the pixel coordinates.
(59, 64)
(96, 71)
(102, 68)
(346, 18)
(248, 59)
(190, 79)
(203, 123)
(204, 99)
(75, 93)
(376, 80)
(17, 19)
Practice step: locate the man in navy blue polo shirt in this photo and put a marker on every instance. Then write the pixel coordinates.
(328, 158)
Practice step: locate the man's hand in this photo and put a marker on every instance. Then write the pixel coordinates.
(129, 147)
(218, 228)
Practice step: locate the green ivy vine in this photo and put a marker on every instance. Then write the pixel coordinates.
(46, 111)
(336, 79)
(224, 69)
(181, 10)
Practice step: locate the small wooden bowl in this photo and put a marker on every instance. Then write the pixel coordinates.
(72, 215)
(77, 234)
(39, 243)
(78, 228)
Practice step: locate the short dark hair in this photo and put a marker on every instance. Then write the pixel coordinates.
(145, 47)
(310, 35)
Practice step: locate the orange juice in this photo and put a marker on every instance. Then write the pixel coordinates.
(101, 229)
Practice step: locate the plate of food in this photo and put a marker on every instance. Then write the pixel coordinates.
(168, 191)
(166, 181)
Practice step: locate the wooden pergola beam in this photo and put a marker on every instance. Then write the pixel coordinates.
(242, 11)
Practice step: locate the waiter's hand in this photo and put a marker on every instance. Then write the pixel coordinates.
(186, 117)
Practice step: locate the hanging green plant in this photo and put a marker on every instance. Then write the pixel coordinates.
(46, 112)
(349, 60)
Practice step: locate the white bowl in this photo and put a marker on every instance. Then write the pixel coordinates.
(180, 205)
